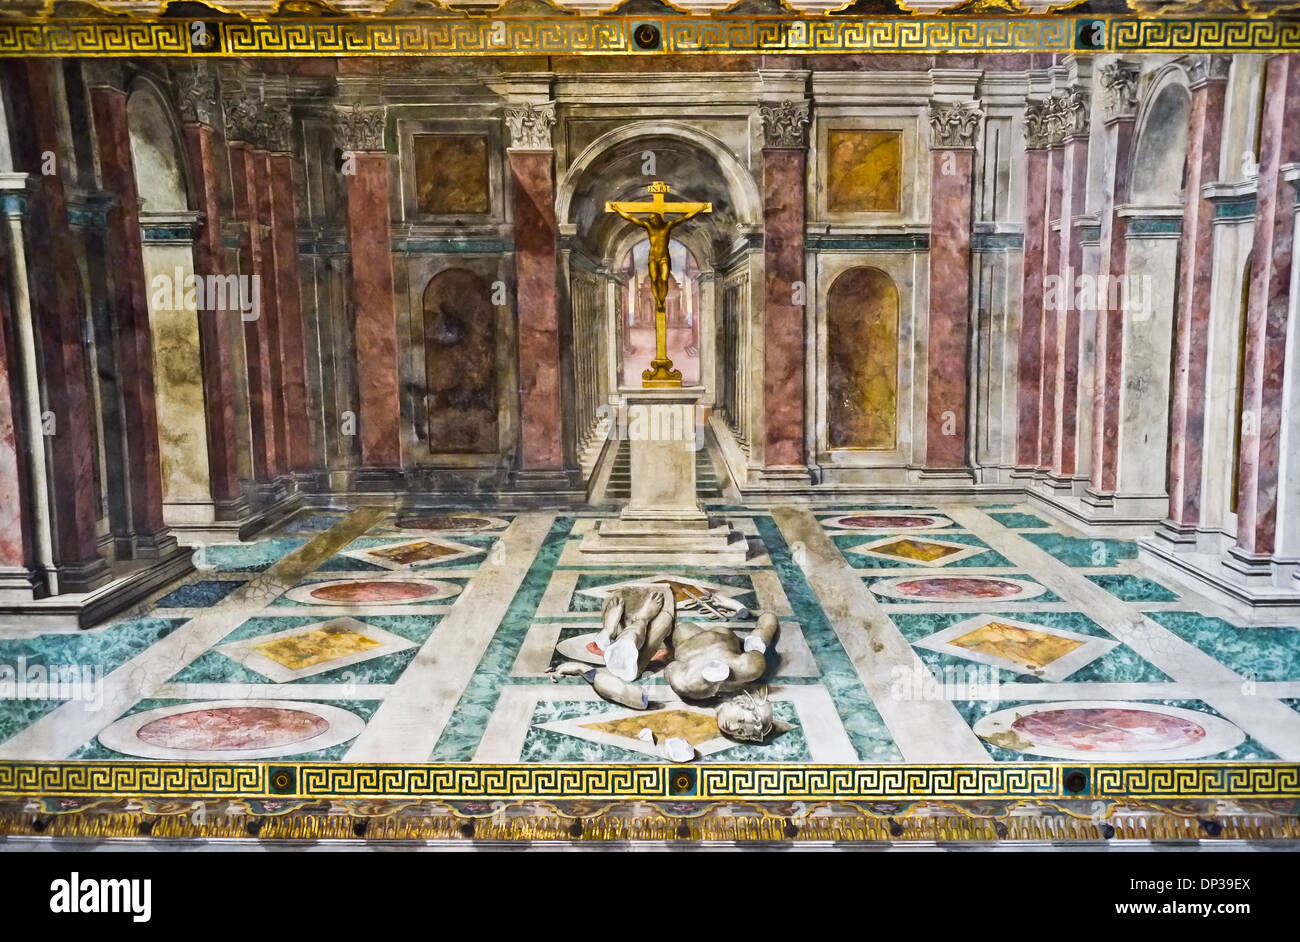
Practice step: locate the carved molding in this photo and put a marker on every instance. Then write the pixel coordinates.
(358, 128)
(1207, 68)
(786, 124)
(1118, 81)
(954, 124)
(197, 95)
(530, 126)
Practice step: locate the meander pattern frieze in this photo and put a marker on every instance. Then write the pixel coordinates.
(615, 35)
(638, 782)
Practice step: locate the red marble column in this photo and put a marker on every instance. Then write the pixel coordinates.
(1267, 313)
(784, 174)
(1030, 351)
(218, 371)
(1049, 349)
(149, 536)
(288, 286)
(374, 303)
(1192, 318)
(536, 269)
(58, 314)
(1121, 111)
(269, 321)
(243, 181)
(954, 128)
(1074, 190)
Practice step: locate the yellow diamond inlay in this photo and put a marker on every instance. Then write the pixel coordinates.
(921, 550)
(414, 552)
(695, 728)
(316, 647)
(1022, 645)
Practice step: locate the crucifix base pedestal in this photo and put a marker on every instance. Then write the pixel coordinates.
(664, 522)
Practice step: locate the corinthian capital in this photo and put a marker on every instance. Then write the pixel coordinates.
(530, 126)
(786, 124)
(196, 94)
(359, 128)
(1206, 68)
(1118, 81)
(1038, 125)
(1068, 115)
(243, 120)
(954, 124)
(277, 127)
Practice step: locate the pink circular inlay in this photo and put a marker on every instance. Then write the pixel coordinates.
(1109, 730)
(373, 591)
(223, 728)
(902, 521)
(962, 588)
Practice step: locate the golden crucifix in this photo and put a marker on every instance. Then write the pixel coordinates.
(657, 225)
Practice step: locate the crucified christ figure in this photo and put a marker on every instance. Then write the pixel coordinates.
(653, 218)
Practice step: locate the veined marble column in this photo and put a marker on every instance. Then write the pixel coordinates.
(1268, 310)
(242, 116)
(1049, 347)
(1073, 116)
(532, 188)
(953, 130)
(269, 317)
(149, 534)
(785, 157)
(288, 285)
(1119, 83)
(57, 313)
(199, 102)
(1030, 354)
(1196, 270)
(360, 134)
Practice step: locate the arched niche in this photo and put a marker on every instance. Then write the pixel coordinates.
(167, 251)
(862, 361)
(460, 363)
(1160, 151)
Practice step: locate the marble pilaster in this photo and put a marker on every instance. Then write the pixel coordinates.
(1029, 359)
(150, 537)
(1268, 311)
(1119, 80)
(293, 373)
(243, 181)
(1073, 117)
(361, 136)
(954, 128)
(785, 155)
(536, 231)
(57, 317)
(1195, 295)
(217, 329)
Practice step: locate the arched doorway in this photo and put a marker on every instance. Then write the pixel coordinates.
(460, 364)
(716, 254)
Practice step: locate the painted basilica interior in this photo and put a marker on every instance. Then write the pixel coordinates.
(313, 378)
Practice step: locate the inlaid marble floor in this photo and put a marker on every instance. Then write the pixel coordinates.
(951, 633)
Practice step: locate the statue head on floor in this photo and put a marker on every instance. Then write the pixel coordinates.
(746, 716)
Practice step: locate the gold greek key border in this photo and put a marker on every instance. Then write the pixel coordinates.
(1056, 781)
(613, 35)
